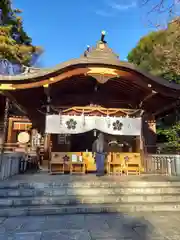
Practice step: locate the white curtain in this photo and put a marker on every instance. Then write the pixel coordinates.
(56, 124)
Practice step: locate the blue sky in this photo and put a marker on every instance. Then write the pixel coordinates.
(64, 28)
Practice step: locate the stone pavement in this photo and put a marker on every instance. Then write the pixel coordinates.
(44, 177)
(139, 226)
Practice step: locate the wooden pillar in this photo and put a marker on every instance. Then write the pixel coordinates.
(10, 130)
(5, 128)
(139, 148)
(149, 134)
(6, 116)
(137, 143)
(47, 137)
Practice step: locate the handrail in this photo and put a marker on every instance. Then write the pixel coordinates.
(9, 147)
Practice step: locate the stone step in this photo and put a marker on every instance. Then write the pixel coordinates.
(62, 191)
(87, 184)
(69, 201)
(85, 208)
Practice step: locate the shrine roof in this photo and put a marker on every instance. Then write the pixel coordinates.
(83, 62)
(75, 82)
(99, 56)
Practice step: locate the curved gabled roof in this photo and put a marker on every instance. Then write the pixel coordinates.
(124, 83)
(102, 56)
(86, 61)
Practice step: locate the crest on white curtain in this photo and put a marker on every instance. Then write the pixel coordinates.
(110, 125)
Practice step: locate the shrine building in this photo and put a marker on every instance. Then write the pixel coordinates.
(74, 101)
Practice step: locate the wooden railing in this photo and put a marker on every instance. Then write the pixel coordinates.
(9, 147)
(10, 164)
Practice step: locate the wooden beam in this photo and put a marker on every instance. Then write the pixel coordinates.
(147, 98)
(166, 108)
(92, 96)
(14, 102)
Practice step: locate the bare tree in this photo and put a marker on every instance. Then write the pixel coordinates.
(168, 53)
(159, 12)
(161, 6)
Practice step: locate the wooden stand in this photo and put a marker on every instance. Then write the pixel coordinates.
(77, 167)
(129, 163)
(57, 164)
(114, 164)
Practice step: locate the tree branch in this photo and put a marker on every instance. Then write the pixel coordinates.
(161, 7)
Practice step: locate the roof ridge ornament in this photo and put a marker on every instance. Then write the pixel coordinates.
(101, 50)
(103, 34)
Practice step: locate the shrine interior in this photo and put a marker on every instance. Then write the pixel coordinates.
(83, 142)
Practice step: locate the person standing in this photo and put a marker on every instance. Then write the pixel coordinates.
(99, 150)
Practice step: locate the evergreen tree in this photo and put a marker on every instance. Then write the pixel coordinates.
(159, 52)
(15, 44)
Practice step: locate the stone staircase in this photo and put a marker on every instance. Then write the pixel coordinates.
(81, 194)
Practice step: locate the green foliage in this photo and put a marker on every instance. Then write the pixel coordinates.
(172, 135)
(15, 44)
(142, 55)
(159, 52)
